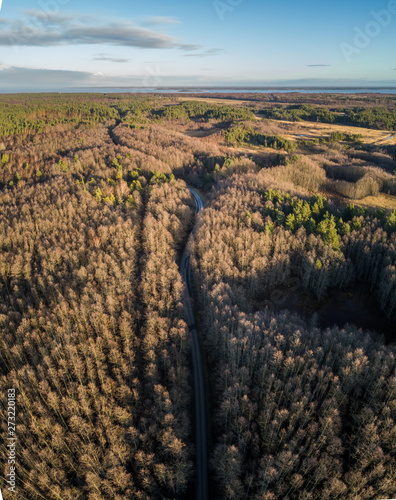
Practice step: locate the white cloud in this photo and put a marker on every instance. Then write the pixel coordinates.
(39, 29)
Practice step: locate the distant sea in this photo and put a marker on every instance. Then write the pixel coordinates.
(205, 90)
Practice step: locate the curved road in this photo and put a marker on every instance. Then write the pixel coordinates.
(199, 388)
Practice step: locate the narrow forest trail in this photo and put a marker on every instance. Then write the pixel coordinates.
(199, 385)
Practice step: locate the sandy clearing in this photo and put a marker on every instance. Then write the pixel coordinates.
(318, 130)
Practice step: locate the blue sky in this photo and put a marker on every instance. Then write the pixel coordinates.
(52, 43)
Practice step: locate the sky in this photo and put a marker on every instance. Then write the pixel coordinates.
(153, 43)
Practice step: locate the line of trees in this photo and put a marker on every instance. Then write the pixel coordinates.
(381, 118)
(26, 114)
(197, 110)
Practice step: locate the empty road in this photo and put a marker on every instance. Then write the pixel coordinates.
(199, 386)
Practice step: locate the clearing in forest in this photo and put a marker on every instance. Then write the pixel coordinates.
(314, 130)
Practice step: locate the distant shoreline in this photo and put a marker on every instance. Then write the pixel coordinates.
(205, 90)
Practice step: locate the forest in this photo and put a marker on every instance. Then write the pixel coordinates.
(95, 214)
(300, 412)
(374, 117)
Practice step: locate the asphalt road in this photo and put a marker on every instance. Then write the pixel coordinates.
(199, 386)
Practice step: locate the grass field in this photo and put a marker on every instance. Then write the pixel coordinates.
(381, 201)
(312, 130)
